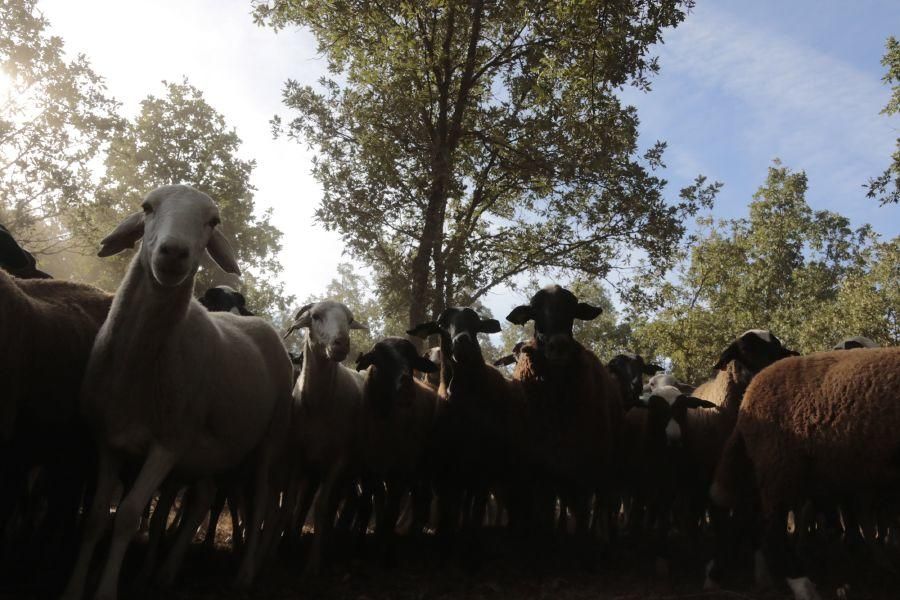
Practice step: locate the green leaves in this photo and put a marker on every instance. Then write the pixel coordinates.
(803, 274)
(55, 120)
(461, 145)
(886, 187)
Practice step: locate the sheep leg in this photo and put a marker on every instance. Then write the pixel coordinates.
(202, 495)
(215, 512)
(98, 520)
(156, 467)
(264, 505)
(778, 552)
(387, 522)
(237, 526)
(158, 521)
(325, 509)
(582, 511)
(371, 493)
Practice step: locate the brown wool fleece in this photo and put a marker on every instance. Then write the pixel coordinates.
(823, 423)
(707, 429)
(575, 415)
(48, 328)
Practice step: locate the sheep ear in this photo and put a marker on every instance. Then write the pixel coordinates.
(304, 309)
(586, 312)
(692, 402)
(489, 326)
(364, 361)
(301, 319)
(124, 236)
(220, 251)
(505, 360)
(730, 354)
(354, 324)
(423, 330)
(521, 315)
(652, 369)
(424, 365)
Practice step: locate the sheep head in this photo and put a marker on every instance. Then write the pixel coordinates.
(756, 349)
(177, 224)
(329, 325)
(459, 329)
(390, 364)
(554, 310)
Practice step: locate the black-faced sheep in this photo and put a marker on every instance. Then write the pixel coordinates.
(174, 387)
(651, 457)
(574, 406)
(398, 416)
(629, 370)
(857, 341)
(824, 423)
(475, 441)
(706, 430)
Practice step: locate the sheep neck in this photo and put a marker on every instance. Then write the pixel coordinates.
(144, 313)
(318, 377)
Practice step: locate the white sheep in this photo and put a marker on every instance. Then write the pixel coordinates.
(325, 433)
(175, 387)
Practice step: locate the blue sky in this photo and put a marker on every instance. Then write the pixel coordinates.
(745, 82)
(741, 83)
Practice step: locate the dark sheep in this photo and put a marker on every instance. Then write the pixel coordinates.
(574, 408)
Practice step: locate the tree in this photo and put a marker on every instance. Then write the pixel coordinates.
(180, 138)
(886, 187)
(804, 274)
(55, 121)
(462, 144)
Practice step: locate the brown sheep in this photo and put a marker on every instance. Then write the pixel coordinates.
(706, 430)
(824, 423)
(47, 327)
(574, 407)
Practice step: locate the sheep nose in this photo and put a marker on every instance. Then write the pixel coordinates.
(173, 250)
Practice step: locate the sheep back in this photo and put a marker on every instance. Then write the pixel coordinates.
(829, 419)
(574, 414)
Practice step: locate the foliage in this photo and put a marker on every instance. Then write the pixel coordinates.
(460, 145)
(886, 187)
(804, 274)
(180, 138)
(56, 119)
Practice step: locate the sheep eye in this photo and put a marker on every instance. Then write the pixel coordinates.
(147, 208)
(214, 221)
(317, 318)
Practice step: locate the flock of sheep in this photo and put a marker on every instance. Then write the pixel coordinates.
(121, 402)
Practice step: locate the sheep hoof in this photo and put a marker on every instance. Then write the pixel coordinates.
(803, 588)
(662, 567)
(761, 575)
(710, 584)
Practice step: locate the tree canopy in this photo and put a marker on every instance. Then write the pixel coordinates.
(886, 187)
(461, 144)
(804, 274)
(56, 119)
(71, 165)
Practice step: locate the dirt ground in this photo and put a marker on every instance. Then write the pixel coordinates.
(505, 571)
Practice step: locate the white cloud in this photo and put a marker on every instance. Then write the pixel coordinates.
(763, 94)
